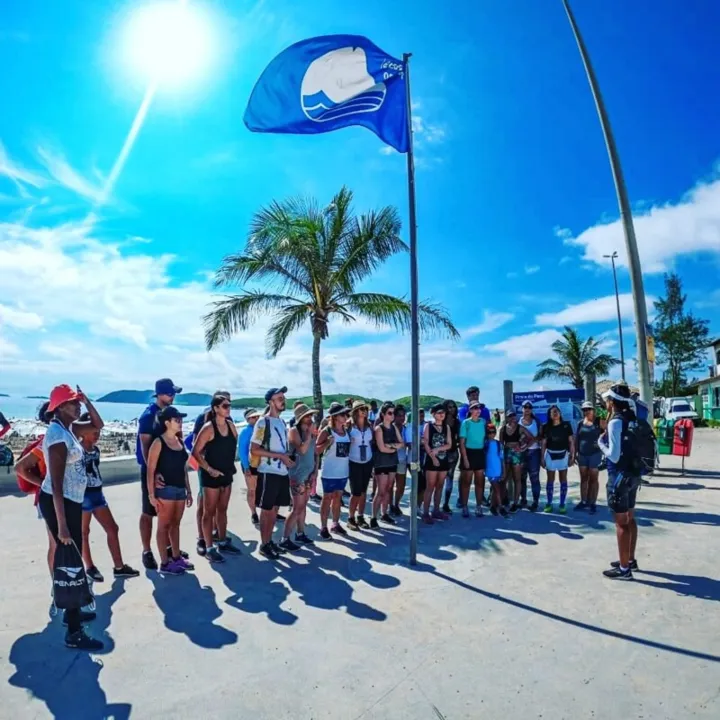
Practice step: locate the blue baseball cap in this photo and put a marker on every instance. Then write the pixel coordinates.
(166, 386)
(274, 391)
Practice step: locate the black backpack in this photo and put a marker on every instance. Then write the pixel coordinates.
(638, 448)
(71, 588)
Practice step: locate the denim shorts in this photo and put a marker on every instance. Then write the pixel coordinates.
(170, 492)
(590, 461)
(330, 485)
(94, 499)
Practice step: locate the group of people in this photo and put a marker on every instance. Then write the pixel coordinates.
(356, 444)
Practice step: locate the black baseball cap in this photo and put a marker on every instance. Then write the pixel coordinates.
(165, 386)
(169, 413)
(472, 389)
(274, 391)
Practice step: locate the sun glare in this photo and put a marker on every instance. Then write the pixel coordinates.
(169, 43)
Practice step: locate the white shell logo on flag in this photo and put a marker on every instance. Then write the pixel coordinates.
(338, 84)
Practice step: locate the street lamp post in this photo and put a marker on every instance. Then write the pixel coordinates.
(633, 257)
(617, 302)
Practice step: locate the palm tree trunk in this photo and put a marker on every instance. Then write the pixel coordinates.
(317, 387)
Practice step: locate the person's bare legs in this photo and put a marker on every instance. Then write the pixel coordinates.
(400, 481)
(146, 523)
(464, 489)
(431, 480)
(437, 494)
(267, 524)
(296, 519)
(352, 507)
(584, 485)
(381, 482)
(178, 511)
(633, 533)
(163, 529)
(251, 485)
(336, 505)
(479, 487)
(624, 538)
(86, 554)
(221, 512)
(517, 484)
(593, 486)
(199, 510)
(105, 517)
(211, 497)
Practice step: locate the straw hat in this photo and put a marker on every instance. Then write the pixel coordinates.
(359, 405)
(302, 411)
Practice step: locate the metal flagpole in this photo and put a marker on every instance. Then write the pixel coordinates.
(617, 302)
(638, 289)
(414, 327)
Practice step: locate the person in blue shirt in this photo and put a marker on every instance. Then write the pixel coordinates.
(149, 430)
(251, 417)
(473, 395)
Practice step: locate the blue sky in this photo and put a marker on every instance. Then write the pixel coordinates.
(516, 204)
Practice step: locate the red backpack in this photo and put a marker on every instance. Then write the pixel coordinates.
(24, 485)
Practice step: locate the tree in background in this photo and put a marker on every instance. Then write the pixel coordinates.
(310, 262)
(681, 339)
(575, 358)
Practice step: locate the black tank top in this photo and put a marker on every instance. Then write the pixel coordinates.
(454, 434)
(171, 464)
(438, 438)
(511, 437)
(220, 452)
(389, 438)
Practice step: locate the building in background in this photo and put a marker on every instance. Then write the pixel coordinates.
(709, 388)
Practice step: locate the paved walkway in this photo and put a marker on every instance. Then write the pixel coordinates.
(500, 619)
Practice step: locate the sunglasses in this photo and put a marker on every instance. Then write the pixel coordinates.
(225, 406)
(390, 412)
(588, 409)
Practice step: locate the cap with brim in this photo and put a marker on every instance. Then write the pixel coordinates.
(359, 405)
(337, 408)
(618, 392)
(165, 386)
(302, 411)
(251, 412)
(274, 391)
(474, 405)
(527, 404)
(472, 389)
(587, 405)
(169, 413)
(510, 411)
(60, 395)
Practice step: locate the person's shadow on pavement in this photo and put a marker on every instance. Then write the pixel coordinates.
(703, 588)
(68, 681)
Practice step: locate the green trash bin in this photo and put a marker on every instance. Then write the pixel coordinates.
(665, 434)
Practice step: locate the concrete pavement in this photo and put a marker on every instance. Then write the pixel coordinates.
(499, 619)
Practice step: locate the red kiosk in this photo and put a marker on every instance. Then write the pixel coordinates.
(682, 440)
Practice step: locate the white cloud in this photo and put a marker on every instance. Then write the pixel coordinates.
(8, 349)
(124, 329)
(387, 150)
(522, 348)
(18, 174)
(663, 232)
(20, 319)
(598, 310)
(491, 321)
(565, 259)
(68, 177)
(531, 269)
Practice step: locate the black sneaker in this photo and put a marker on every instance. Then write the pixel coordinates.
(279, 549)
(85, 617)
(618, 574)
(80, 641)
(616, 564)
(255, 519)
(304, 539)
(362, 523)
(374, 523)
(524, 503)
(201, 547)
(503, 511)
(387, 519)
(534, 507)
(593, 509)
(94, 574)
(148, 561)
(227, 547)
(325, 533)
(581, 506)
(352, 524)
(514, 508)
(494, 511)
(268, 551)
(280, 518)
(446, 509)
(125, 571)
(288, 545)
(213, 555)
(338, 529)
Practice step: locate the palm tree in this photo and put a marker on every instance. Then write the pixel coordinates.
(576, 359)
(310, 262)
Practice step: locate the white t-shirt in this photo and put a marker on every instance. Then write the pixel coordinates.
(358, 439)
(75, 478)
(534, 429)
(278, 444)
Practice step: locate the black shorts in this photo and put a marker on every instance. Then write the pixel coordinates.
(476, 459)
(253, 471)
(272, 491)
(208, 481)
(622, 497)
(147, 508)
(360, 474)
(390, 470)
(430, 466)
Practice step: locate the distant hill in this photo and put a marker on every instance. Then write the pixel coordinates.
(144, 397)
(426, 401)
(4, 395)
(37, 397)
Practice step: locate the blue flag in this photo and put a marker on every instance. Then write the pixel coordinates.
(330, 82)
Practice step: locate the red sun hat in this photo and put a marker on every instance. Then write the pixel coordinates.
(61, 394)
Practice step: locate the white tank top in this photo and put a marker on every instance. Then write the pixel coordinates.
(359, 439)
(336, 460)
(532, 427)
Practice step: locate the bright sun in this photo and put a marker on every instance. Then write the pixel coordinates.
(168, 43)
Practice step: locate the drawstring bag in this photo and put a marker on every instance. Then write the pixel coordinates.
(71, 588)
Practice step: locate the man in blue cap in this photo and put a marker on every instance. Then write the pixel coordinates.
(148, 430)
(270, 443)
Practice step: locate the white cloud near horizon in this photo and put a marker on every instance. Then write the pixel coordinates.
(664, 231)
(601, 309)
(18, 318)
(491, 321)
(527, 347)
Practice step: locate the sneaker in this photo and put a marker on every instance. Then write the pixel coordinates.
(254, 519)
(524, 503)
(304, 539)
(514, 508)
(618, 574)
(562, 509)
(478, 511)
(278, 549)
(362, 523)
(338, 529)
(288, 545)
(94, 574)
(465, 512)
(226, 546)
(183, 554)
(534, 507)
(85, 617)
(125, 571)
(503, 511)
(427, 519)
(268, 551)
(213, 555)
(396, 511)
(581, 506)
(616, 564)
(316, 498)
(374, 524)
(325, 534)
(353, 524)
(494, 511)
(172, 568)
(387, 519)
(185, 563)
(148, 561)
(548, 508)
(280, 518)
(446, 508)
(81, 641)
(215, 535)
(593, 509)
(201, 547)
(438, 515)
